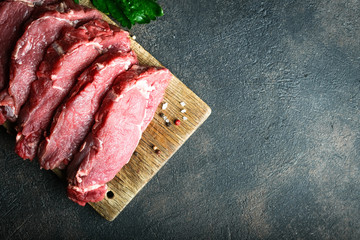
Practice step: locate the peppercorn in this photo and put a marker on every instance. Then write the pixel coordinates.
(161, 114)
(177, 122)
(158, 152)
(168, 124)
(136, 153)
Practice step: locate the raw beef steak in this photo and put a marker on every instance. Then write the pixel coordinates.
(74, 118)
(30, 49)
(12, 16)
(119, 123)
(63, 62)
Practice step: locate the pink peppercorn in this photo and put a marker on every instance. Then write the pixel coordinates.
(177, 122)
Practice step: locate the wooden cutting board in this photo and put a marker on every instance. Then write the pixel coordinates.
(146, 163)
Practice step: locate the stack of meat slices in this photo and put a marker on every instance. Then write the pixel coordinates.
(74, 88)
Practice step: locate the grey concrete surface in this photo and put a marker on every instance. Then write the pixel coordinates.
(277, 159)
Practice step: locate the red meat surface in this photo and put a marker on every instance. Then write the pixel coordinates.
(119, 123)
(12, 16)
(30, 50)
(62, 64)
(74, 118)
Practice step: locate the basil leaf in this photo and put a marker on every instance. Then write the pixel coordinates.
(101, 6)
(117, 13)
(130, 12)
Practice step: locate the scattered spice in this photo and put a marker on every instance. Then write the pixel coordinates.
(154, 147)
(182, 104)
(184, 118)
(133, 37)
(177, 122)
(183, 111)
(157, 151)
(164, 106)
(136, 153)
(166, 119)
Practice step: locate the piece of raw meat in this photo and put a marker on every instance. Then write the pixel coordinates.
(119, 123)
(74, 118)
(65, 59)
(12, 16)
(30, 49)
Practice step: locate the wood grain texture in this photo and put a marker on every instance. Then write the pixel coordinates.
(141, 168)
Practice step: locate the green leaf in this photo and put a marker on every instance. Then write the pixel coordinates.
(117, 13)
(101, 5)
(76, 1)
(152, 9)
(126, 8)
(130, 12)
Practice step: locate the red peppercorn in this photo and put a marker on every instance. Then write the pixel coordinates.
(177, 122)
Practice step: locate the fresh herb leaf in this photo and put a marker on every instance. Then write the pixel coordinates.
(130, 12)
(101, 6)
(114, 7)
(76, 1)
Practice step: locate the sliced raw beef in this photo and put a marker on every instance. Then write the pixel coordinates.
(65, 59)
(74, 118)
(118, 127)
(12, 16)
(30, 49)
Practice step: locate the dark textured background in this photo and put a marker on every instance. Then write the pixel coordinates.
(277, 159)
